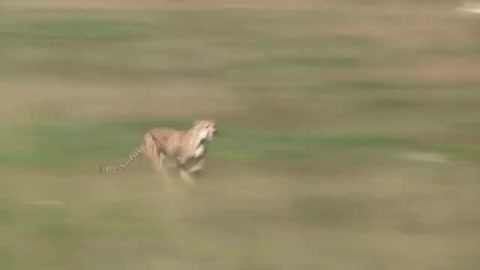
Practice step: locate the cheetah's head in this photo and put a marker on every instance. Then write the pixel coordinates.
(206, 129)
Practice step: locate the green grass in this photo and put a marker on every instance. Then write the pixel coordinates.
(85, 141)
(73, 30)
(348, 138)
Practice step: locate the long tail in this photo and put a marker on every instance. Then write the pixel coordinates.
(134, 155)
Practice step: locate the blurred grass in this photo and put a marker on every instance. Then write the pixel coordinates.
(94, 141)
(348, 137)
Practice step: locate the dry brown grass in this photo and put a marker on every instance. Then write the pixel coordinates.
(28, 99)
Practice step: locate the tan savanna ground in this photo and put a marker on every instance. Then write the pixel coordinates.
(349, 134)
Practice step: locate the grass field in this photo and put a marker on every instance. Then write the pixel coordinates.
(348, 135)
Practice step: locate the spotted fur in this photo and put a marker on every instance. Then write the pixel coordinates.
(186, 149)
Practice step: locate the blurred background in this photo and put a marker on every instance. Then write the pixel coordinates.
(348, 136)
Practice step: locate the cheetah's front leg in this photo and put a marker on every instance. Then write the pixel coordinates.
(197, 167)
(187, 177)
